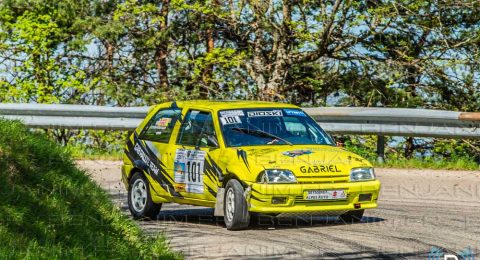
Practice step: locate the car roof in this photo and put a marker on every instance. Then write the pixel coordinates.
(233, 104)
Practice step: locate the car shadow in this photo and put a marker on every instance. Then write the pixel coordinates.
(304, 221)
(204, 216)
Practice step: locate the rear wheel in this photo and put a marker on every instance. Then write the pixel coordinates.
(354, 216)
(139, 199)
(235, 206)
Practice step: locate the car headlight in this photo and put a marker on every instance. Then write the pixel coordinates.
(276, 176)
(362, 174)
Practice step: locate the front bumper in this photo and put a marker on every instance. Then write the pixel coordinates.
(260, 197)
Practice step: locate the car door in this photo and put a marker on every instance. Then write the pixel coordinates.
(196, 138)
(154, 145)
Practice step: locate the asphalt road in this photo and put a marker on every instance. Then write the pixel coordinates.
(418, 210)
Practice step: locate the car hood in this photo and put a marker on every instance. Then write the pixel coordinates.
(303, 160)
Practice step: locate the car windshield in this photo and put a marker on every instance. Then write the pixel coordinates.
(250, 127)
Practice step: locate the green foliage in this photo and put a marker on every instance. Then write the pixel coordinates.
(463, 163)
(52, 210)
(433, 154)
(81, 152)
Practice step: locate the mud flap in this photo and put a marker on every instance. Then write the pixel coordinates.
(219, 203)
(247, 194)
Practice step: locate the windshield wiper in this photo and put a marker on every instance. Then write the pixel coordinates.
(260, 133)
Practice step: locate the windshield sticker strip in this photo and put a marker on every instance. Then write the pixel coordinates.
(294, 112)
(264, 113)
(232, 113)
(230, 120)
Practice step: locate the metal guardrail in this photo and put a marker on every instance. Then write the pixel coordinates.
(337, 120)
(74, 116)
(398, 122)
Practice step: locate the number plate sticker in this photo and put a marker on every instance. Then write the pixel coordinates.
(188, 168)
(325, 194)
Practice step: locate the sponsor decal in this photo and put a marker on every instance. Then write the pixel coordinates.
(188, 169)
(232, 113)
(136, 151)
(294, 112)
(179, 187)
(296, 153)
(264, 113)
(179, 170)
(143, 156)
(319, 168)
(163, 123)
(230, 120)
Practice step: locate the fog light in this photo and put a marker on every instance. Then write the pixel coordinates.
(365, 197)
(279, 200)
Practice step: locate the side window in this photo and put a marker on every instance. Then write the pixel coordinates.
(160, 127)
(295, 127)
(197, 130)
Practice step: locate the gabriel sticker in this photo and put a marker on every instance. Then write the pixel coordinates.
(319, 168)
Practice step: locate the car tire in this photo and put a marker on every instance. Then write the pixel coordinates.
(140, 200)
(235, 206)
(354, 216)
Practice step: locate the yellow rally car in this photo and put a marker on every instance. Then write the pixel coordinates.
(243, 158)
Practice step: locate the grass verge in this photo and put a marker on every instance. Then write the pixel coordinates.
(80, 153)
(414, 163)
(49, 209)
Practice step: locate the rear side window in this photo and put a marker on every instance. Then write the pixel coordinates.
(196, 128)
(160, 127)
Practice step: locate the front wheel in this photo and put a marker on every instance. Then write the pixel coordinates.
(354, 216)
(139, 199)
(235, 207)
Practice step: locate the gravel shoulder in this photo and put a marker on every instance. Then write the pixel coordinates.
(418, 209)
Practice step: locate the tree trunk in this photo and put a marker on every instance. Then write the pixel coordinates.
(409, 147)
(161, 54)
(161, 50)
(208, 69)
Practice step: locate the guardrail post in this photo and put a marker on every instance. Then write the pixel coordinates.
(380, 148)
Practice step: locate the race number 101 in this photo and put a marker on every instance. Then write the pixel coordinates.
(193, 171)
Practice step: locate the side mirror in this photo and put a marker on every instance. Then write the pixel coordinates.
(207, 140)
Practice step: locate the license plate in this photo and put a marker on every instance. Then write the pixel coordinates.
(325, 194)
